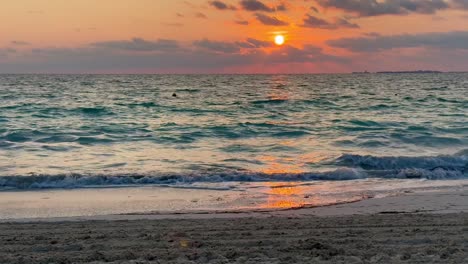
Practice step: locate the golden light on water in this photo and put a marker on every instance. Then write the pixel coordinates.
(282, 196)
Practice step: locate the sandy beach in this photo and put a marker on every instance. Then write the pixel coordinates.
(414, 228)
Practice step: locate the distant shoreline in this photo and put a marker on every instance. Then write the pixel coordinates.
(400, 72)
(227, 74)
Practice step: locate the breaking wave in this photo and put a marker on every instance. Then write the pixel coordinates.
(457, 162)
(353, 167)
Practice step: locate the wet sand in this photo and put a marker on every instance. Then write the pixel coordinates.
(388, 230)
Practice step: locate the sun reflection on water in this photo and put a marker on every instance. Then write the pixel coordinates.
(280, 196)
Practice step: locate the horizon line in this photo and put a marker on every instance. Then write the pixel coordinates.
(279, 73)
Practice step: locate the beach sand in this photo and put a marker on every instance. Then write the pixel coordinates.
(414, 228)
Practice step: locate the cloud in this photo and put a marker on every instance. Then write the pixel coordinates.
(242, 22)
(258, 6)
(412, 59)
(439, 40)
(244, 56)
(386, 7)
(438, 18)
(222, 6)
(230, 47)
(308, 54)
(200, 15)
(89, 60)
(259, 43)
(203, 56)
(192, 59)
(252, 43)
(313, 8)
(138, 44)
(20, 43)
(281, 7)
(270, 20)
(315, 22)
(255, 5)
(463, 4)
(372, 34)
(6, 51)
(217, 46)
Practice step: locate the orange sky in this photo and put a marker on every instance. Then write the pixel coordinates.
(27, 25)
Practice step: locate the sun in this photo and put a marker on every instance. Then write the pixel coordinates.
(279, 40)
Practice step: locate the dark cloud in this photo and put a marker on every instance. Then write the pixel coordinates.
(242, 22)
(206, 56)
(255, 5)
(461, 4)
(386, 7)
(92, 59)
(217, 46)
(200, 15)
(281, 7)
(222, 6)
(307, 54)
(252, 43)
(20, 43)
(315, 22)
(259, 43)
(313, 8)
(8, 50)
(394, 60)
(438, 18)
(270, 20)
(258, 6)
(372, 34)
(230, 47)
(440, 40)
(138, 44)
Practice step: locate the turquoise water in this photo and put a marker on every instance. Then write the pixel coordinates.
(82, 130)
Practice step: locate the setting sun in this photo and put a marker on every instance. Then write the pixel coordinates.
(279, 40)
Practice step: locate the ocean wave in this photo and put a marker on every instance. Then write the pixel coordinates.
(457, 162)
(71, 181)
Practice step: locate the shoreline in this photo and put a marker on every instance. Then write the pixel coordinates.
(428, 202)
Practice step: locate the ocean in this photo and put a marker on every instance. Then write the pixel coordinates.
(232, 133)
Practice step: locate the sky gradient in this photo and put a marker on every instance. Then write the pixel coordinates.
(232, 36)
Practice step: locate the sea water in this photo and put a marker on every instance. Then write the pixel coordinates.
(228, 131)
